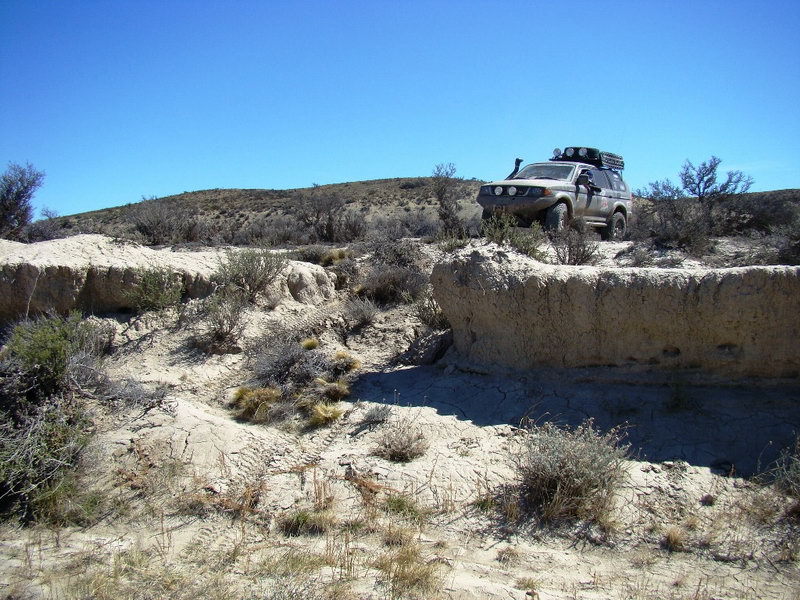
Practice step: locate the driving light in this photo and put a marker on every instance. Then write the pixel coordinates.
(498, 191)
(512, 191)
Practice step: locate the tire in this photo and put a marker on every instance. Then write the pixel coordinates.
(555, 219)
(486, 214)
(616, 229)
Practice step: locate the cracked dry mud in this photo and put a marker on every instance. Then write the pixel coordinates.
(205, 493)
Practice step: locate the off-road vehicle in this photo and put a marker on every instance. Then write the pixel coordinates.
(578, 183)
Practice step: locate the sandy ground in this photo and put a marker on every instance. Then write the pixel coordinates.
(204, 494)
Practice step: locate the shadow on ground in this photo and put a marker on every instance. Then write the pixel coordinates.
(731, 427)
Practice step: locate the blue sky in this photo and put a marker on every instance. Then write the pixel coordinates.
(118, 100)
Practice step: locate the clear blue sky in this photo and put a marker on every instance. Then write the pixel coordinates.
(118, 100)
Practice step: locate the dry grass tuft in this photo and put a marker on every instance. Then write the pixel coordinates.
(254, 404)
(674, 539)
(309, 343)
(401, 441)
(323, 413)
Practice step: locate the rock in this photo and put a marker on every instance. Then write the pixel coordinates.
(523, 314)
(309, 283)
(94, 274)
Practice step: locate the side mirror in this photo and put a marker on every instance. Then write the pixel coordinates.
(586, 179)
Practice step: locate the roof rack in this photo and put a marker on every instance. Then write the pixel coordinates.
(592, 156)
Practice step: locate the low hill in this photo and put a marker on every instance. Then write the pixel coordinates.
(233, 210)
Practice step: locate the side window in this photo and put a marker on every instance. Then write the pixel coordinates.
(616, 181)
(599, 178)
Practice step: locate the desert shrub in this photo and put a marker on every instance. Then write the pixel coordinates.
(312, 253)
(251, 271)
(571, 474)
(429, 312)
(573, 246)
(222, 315)
(359, 312)
(674, 223)
(401, 441)
(345, 362)
(503, 230)
(785, 473)
(390, 284)
(444, 189)
(789, 244)
(155, 289)
(449, 243)
(39, 445)
(159, 222)
(43, 425)
(53, 352)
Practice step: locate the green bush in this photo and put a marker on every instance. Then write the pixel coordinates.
(43, 424)
(503, 230)
(51, 350)
(156, 289)
(251, 271)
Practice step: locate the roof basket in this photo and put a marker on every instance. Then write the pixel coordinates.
(592, 156)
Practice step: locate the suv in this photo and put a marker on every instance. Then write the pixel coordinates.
(579, 182)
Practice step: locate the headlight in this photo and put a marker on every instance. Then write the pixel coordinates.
(512, 191)
(498, 191)
(486, 190)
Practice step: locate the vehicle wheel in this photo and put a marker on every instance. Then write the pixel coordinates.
(487, 214)
(616, 229)
(555, 218)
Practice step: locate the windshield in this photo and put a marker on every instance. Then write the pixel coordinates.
(546, 171)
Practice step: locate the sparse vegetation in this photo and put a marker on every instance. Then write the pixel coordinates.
(429, 312)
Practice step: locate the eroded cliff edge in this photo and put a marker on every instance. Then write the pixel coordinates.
(512, 311)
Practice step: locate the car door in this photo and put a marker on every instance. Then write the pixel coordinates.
(597, 202)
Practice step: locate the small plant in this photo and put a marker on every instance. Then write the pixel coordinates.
(332, 391)
(309, 343)
(503, 230)
(251, 271)
(785, 473)
(407, 574)
(389, 284)
(156, 289)
(254, 404)
(401, 441)
(360, 312)
(573, 246)
(571, 474)
(404, 506)
(345, 362)
(306, 522)
(674, 539)
(508, 555)
(449, 243)
(429, 312)
(397, 536)
(223, 316)
(323, 413)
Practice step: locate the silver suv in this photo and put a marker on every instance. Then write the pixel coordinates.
(579, 182)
